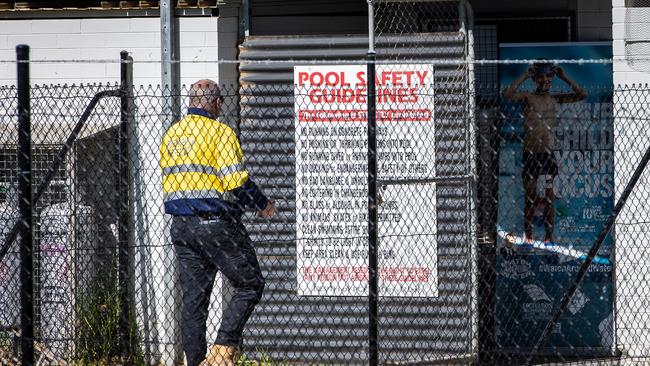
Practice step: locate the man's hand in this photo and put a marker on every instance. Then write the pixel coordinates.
(268, 211)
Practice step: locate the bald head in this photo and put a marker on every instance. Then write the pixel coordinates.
(205, 94)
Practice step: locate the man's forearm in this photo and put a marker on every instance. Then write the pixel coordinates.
(249, 195)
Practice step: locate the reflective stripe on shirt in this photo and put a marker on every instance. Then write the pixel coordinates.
(198, 194)
(198, 168)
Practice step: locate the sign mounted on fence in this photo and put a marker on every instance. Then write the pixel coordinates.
(332, 180)
(556, 153)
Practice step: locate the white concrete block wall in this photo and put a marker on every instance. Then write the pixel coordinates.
(623, 73)
(103, 39)
(632, 134)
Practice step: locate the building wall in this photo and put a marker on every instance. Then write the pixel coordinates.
(623, 73)
(594, 20)
(632, 231)
(103, 39)
(269, 17)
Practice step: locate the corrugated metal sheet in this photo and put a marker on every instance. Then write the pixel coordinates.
(334, 329)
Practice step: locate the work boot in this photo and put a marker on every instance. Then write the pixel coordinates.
(220, 355)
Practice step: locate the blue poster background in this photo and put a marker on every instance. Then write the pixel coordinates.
(532, 277)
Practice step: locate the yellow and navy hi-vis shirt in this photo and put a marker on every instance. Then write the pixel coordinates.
(203, 169)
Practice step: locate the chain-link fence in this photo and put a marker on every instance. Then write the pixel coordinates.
(452, 288)
(428, 217)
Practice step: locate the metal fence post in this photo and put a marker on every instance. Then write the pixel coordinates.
(487, 169)
(486, 302)
(25, 206)
(126, 97)
(373, 294)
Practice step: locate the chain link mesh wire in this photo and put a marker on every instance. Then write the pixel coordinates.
(413, 17)
(436, 228)
(303, 136)
(68, 242)
(311, 179)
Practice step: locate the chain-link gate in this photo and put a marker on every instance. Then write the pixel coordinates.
(72, 129)
(438, 37)
(329, 104)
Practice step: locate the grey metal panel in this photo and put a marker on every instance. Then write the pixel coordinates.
(334, 329)
(358, 41)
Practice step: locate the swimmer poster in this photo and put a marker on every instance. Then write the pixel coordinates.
(555, 191)
(332, 180)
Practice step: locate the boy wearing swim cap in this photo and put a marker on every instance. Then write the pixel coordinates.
(540, 111)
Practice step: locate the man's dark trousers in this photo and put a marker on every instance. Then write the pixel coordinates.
(204, 247)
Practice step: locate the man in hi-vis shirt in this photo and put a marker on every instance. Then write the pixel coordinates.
(206, 190)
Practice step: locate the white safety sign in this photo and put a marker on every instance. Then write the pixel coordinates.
(332, 180)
